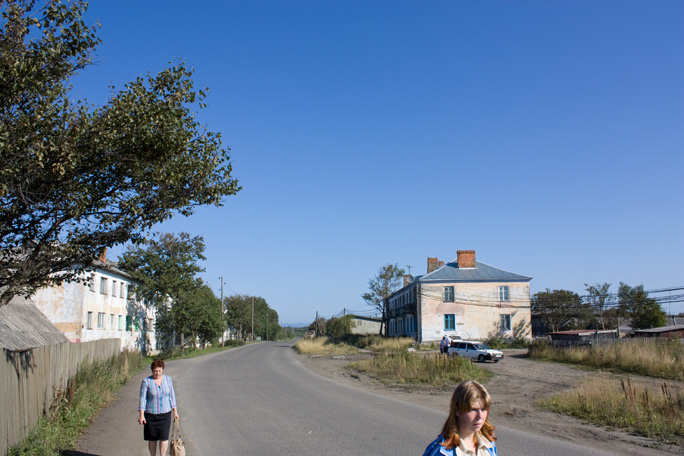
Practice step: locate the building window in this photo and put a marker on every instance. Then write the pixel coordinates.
(103, 286)
(449, 322)
(503, 293)
(91, 282)
(506, 322)
(89, 321)
(114, 290)
(100, 320)
(123, 290)
(448, 294)
(121, 323)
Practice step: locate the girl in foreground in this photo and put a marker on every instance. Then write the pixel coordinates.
(467, 430)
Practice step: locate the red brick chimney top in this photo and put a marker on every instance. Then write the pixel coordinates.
(466, 259)
(432, 264)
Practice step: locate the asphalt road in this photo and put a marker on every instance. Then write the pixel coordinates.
(260, 400)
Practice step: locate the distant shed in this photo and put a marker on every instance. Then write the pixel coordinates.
(583, 337)
(666, 332)
(365, 325)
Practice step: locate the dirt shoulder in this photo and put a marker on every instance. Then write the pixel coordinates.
(517, 383)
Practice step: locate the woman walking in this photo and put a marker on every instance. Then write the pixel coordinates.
(467, 430)
(157, 402)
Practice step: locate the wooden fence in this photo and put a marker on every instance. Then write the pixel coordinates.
(31, 380)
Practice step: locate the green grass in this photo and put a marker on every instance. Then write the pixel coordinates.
(621, 403)
(94, 387)
(660, 358)
(416, 369)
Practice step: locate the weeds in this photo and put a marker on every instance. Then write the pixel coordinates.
(655, 413)
(408, 368)
(323, 346)
(651, 357)
(93, 387)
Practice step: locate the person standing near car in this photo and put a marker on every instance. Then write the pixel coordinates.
(156, 405)
(442, 345)
(467, 430)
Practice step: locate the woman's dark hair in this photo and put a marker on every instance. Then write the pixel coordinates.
(157, 363)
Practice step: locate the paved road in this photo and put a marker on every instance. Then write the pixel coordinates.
(259, 400)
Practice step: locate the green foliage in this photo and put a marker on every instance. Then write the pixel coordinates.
(411, 368)
(166, 268)
(382, 286)
(644, 312)
(337, 327)
(598, 299)
(561, 310)
(239, 317)
(94, 387)
(498, 343)
(74, 178)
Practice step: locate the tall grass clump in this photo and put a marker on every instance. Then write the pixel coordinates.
(387, 345)
(323, 346)
(655, 413)
(409, 368)
(659, 358)
(498, 343)
(94, 386)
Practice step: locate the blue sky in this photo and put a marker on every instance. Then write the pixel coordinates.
(546, 136)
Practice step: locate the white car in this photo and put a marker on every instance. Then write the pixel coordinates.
(474, 350)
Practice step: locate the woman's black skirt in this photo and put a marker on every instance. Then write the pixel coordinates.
(157, 426)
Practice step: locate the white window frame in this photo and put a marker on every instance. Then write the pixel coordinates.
(104, 286)
(504, 293)
(89, 320)
(114, 290)
(449, 294)
(505, 322)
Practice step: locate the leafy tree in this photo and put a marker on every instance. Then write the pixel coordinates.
(166, 268)
(598, 299)
(338, 326)
(74, 178)
(381, 286)
(643, 311)
(239, 317)
(561, 309)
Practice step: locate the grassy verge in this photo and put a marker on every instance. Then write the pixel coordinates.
(655, 413)
(94, 387)
(651, 357)
(408, 368)
(323, 346)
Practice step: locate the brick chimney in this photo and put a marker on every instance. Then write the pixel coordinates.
(103, 255)
(408, 278)
(466, 259)
(433, 263)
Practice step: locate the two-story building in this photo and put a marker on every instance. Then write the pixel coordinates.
(463, 298)
(102, 306)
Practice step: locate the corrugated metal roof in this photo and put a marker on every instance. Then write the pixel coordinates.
(482, 273)
(23, 326)
(661, 329)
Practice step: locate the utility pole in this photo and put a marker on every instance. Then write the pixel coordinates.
(344, 320)
(252, 318)
(223, 320)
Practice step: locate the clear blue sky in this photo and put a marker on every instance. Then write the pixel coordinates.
(546, 135)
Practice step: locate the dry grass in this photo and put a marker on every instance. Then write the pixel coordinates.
(323, 346)
(624, 404)
(409, 368)
(652, 357)
(390, 345)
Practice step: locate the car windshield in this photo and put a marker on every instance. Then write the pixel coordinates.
(481, 347)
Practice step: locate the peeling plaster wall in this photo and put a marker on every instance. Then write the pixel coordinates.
(67, 306)
(477, 310)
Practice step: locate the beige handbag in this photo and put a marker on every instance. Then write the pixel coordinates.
(176, 444)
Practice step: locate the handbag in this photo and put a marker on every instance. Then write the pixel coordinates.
(177, 445)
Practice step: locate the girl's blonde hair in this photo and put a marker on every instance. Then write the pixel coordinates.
(467, 395)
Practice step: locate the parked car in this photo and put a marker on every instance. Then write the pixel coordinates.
(474, 350)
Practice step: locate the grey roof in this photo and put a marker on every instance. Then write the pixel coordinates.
(483, 272)
(662, 329)
(23, 326)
